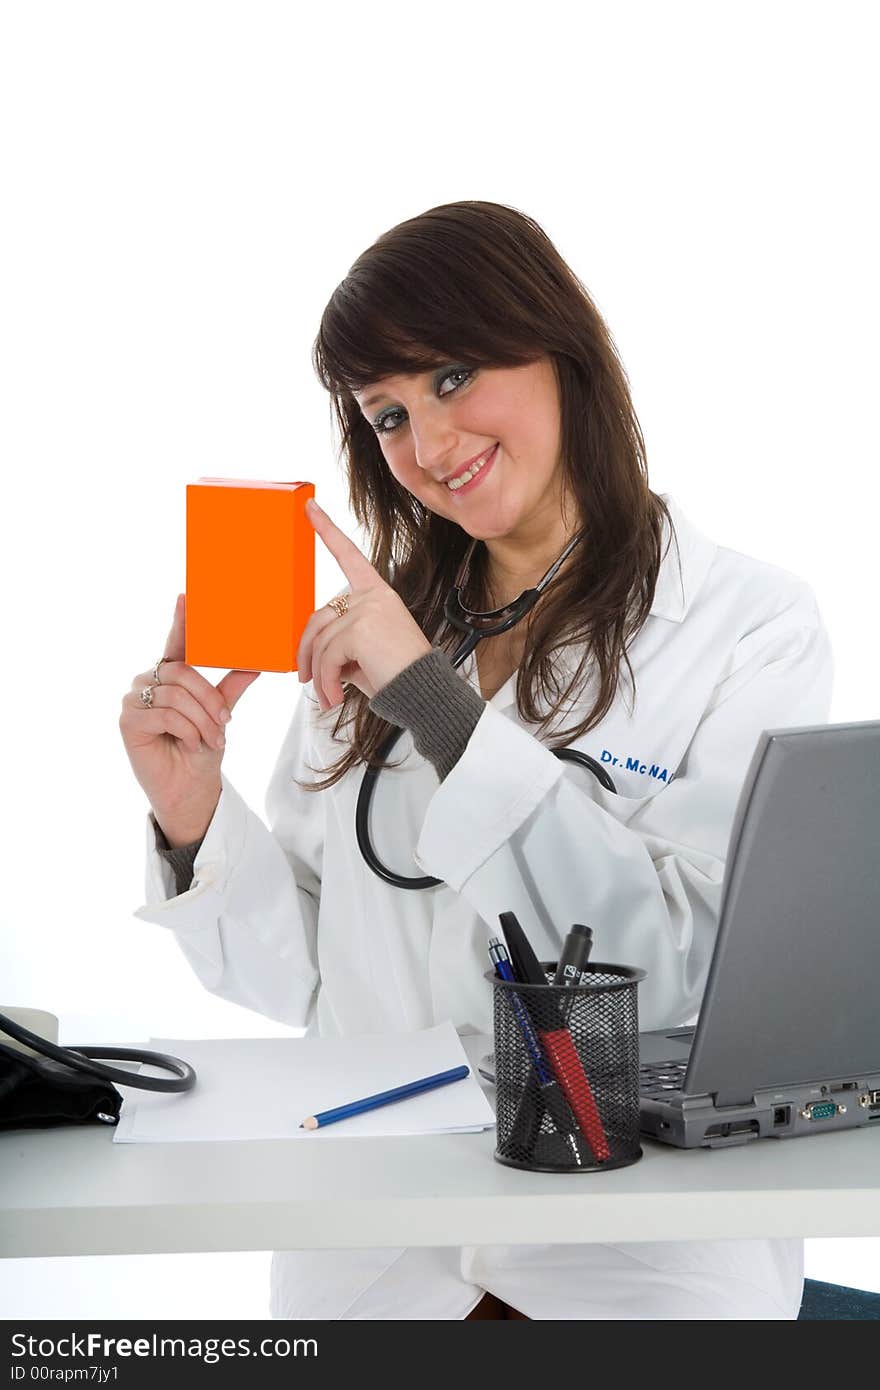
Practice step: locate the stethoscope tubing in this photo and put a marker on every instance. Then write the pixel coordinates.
(371, 777)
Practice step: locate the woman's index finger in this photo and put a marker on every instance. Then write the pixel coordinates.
(351, 560)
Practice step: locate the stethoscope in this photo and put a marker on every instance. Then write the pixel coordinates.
(477, 626)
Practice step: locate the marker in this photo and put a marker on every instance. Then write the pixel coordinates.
(571, 968)
(412, 1088)
(574, 956)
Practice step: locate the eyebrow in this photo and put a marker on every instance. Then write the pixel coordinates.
(380, 396)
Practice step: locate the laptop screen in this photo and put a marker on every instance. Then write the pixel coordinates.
(792, 989)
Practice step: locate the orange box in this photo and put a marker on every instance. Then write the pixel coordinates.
(250, 573)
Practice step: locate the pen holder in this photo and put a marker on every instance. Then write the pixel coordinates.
(567, 1071)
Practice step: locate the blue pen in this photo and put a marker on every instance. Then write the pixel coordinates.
(499, 958)
(551, 1095)
(412, 1088)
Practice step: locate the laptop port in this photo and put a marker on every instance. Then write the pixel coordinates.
(870, 1100)
(728, 1128)
(781, 1114)
(822, 1110)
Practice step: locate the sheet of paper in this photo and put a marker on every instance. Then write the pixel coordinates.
(263, 1088)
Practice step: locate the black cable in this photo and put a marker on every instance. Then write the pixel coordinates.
(76, 1058)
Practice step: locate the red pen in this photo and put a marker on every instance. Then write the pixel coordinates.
(567, 1068)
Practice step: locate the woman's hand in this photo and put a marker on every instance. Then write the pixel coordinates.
(175, 745)
(371, 643)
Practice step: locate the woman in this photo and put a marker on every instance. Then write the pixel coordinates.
(485, 417)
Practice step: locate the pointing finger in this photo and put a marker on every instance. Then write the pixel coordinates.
(351, 560)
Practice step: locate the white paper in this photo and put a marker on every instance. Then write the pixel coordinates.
(263, 1088)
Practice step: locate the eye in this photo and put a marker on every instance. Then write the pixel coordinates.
(455, 371)
(379, 422)
(385, 415)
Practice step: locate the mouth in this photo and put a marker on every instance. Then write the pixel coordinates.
(474, 471)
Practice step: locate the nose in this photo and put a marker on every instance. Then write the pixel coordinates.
(434, 438)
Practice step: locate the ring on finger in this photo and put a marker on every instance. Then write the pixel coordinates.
(156, 677)
(146, 696)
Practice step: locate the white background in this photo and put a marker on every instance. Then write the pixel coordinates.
(183, 187)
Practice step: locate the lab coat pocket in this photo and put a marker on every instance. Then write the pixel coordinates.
(622, 807)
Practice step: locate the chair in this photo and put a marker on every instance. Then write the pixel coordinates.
(838, 1303)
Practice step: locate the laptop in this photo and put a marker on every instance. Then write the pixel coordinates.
(788, 1038)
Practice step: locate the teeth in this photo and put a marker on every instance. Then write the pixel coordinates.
(466, 477)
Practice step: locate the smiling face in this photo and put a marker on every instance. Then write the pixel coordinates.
(507, 419)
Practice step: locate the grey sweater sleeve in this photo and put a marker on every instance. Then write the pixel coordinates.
(181, 859)
(428, 697)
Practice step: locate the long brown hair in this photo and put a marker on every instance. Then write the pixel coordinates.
(481, 284)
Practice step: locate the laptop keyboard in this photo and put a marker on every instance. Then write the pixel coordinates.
(661, 1078)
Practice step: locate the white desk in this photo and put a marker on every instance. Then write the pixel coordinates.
(72, 1191)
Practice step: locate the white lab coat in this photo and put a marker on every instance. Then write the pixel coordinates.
(293, 924)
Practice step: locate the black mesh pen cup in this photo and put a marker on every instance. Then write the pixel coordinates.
(567, 1071)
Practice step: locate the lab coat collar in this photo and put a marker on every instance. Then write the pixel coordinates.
(683, 568)
(682, 572)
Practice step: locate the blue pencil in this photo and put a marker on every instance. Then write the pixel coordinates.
(412, 1088)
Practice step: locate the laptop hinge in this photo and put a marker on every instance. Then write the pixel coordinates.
(730, 1101)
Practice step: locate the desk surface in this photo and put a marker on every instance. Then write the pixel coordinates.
(72, 1191)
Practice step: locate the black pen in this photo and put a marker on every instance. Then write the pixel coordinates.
(574, 956)
(572, 962)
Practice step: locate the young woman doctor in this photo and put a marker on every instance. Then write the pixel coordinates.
(485, 415)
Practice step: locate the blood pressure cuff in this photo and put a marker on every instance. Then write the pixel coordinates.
(39, 1093)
